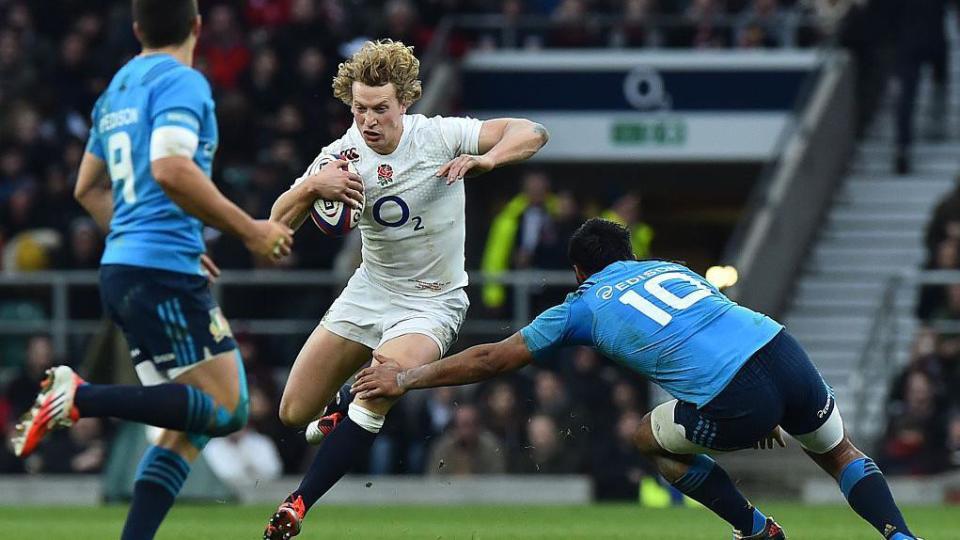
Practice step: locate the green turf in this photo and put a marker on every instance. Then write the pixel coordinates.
(474, 522)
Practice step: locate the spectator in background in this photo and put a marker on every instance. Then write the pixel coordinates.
(545, 454)
(933, 299)
(921, 40)
(617, 467)
(502, 415)
(22, 212)
(950, 309)
(512, 35)
(247, 456)
(402, 24)
(915, 440)
(515, 233)
(81, 450)
(587, 385)
(222, 48)
(267, 13)
(467, 448)
(263, 84)
(638, 29)
(945, 222)
(572, 28)
(763, 24)
(704, 28)
(625, 398)
(426, 422)
(953, 439)
(22, 388)
(84, 246)
(18, 73)
(551, 245)
(551, 398)
(627, 211)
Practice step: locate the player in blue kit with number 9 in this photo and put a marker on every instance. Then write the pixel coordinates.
(738, 376)
(145, 179)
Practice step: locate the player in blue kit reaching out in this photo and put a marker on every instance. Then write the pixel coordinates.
(145, 178)
(736, 374)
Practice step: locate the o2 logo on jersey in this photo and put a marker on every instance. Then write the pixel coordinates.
(385, 213)
(384, 174)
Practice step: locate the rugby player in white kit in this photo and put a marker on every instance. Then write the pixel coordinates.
(407, 299)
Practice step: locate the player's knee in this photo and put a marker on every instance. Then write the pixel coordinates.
(229, 421)
(644, 440)
(292, 415)
(379, 406)
(827, 438)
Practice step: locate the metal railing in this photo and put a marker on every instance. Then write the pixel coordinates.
(58, 285)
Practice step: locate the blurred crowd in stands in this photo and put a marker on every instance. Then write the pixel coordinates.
(923, 415)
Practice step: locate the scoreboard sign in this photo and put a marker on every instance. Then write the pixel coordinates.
(629, 106)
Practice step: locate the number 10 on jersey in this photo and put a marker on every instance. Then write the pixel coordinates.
(654, 286)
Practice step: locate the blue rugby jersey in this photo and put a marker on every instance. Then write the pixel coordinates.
(661, 320)
(149, 93)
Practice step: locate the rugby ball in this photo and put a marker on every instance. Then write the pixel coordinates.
(334, 218)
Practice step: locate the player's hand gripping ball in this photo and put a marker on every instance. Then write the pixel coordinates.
(336, 218)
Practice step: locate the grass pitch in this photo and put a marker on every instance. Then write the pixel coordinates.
(188, 522)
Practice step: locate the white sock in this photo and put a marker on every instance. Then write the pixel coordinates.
(369, 421)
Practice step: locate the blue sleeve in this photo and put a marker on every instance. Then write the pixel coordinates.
(548, 332)
(185, 91)
(94, 145)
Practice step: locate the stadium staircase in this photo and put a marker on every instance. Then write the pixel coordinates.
(874, 229)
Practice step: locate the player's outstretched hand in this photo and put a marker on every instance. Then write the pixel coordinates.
(766, 443)
(381, 380)
(209, 268)
(335, 183)
(270, 240)
(465, 165)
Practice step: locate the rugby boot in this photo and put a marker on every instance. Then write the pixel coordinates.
(771, 531)
(286, 521)
(53, 409)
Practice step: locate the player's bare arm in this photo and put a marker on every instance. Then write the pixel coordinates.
(333, 182)
(94, 191)
(478, 363)
(502, 141)
(186, 185)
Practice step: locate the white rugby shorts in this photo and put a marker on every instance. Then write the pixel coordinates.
(370, 314)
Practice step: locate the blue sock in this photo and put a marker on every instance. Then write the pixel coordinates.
(707, 483)
(866, 490)
(348, 445)
(160, 476)
(172, 406)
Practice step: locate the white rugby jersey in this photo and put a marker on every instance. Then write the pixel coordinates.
(412, 226)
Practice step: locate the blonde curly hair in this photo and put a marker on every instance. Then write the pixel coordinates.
(376, 64)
